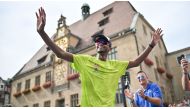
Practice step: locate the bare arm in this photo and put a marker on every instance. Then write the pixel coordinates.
(185, 79)
(140, 58)
(156, 36)
(41, 21)
(156, 101)
(130, 95)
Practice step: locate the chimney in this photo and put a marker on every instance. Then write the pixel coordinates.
(85, 11)
(61, 22)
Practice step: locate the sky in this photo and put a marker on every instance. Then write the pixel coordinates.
(19, 40)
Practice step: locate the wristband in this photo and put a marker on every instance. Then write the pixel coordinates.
(146, 97)
(151, 46)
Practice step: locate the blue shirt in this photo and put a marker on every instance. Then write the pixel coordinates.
(152, 90)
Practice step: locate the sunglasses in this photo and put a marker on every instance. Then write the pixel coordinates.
(141, 78)
(102, 42)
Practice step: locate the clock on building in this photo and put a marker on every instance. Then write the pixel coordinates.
(61, 32)
(60, 66)
(60, 72)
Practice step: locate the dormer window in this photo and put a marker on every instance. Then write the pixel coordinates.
(41, 60)
(104, 21)
(107, 12)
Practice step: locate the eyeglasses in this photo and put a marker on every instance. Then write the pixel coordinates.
(141, 77)
(102, 42)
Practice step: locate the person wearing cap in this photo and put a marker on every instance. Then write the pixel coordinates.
(99, 76)
(185, 75)
(148, 95)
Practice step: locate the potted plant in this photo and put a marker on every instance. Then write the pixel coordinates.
(47, 84)
(36, 88)
(169, 75)
(73, 76)
(17, 94)
(160, 70)
(148, 62)
(26, 91)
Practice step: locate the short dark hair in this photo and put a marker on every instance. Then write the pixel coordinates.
(141, 71)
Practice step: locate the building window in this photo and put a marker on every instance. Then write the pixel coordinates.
(188, 57)
(107, 12)
(104, 21)
(19, 87)
(112, 54)
(37, 80)
(60, 103)
(128, 79)
(47, 103)
(1, 86)
(144, 29)
(27, 84)
(41, 60)
(48, 76)
(36, 105)
(119, 94)
(74, 100)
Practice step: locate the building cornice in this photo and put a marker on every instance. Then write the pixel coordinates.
(178, 51)
(35, 69)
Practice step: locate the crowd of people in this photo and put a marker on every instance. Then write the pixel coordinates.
(182, 103)
(150, 95)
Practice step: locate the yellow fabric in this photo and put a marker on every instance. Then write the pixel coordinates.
(99, 79)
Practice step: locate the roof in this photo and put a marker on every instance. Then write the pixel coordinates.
(1, 79)
(120, 19)
(122, 10)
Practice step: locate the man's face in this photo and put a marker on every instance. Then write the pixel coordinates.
(102, 46)
(142, 78)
